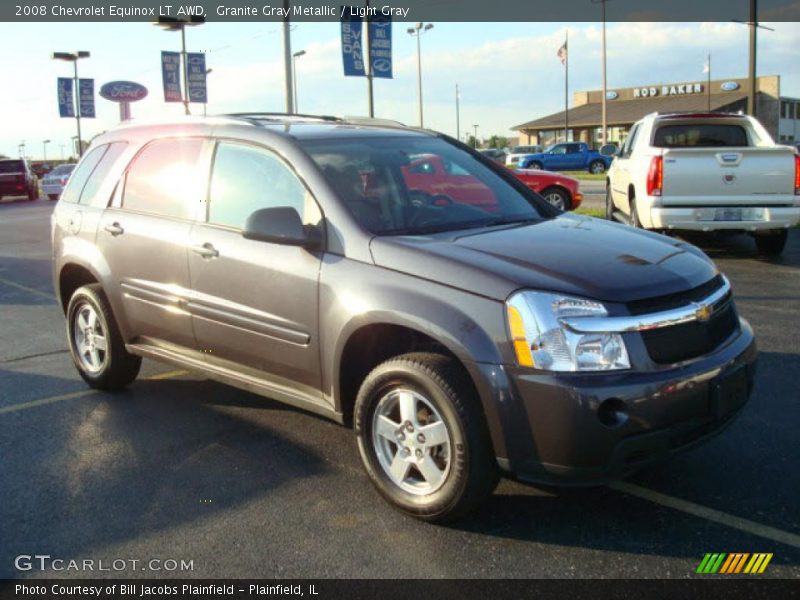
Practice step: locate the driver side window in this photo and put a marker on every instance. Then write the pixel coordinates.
(247, 178)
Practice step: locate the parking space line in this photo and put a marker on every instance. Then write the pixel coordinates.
(27, 289)
(710, 514)
(80, 393)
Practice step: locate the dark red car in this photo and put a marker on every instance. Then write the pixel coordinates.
(559, 190)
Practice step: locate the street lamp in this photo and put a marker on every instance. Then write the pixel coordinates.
(74, 57)
(21, 149)
(476, 135)
(295, 56)
(75, 139)
(44, 149)
(418, 30)
(173, 24)
(605, 88)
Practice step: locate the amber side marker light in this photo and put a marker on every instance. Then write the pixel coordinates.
(517, 330)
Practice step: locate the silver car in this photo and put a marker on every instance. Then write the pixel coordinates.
(56, 180)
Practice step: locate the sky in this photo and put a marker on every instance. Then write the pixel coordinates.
(508, 73)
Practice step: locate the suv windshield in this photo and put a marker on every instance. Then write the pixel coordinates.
(407, 186)
(11, 166)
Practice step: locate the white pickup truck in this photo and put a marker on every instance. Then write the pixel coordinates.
(706, 172)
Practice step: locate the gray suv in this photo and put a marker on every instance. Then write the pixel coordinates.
(462, 326)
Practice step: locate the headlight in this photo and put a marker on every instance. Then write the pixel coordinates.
(541, 341)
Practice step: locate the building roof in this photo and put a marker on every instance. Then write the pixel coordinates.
(626, 112)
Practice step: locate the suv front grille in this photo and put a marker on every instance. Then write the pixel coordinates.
(688, 340)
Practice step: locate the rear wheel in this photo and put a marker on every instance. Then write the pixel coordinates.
(635, 222)
(95, 343)
(772, 243)
(53, 196)
(423, 438)
(609, 204)
(597, 167)
(558, 198)
(33, 194)
(535, 165)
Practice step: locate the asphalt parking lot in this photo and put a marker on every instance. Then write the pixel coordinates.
(181, 468)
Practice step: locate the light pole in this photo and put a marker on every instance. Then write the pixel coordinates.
(287, 60)
(62, 151)
(44, 149)
(295, 56)
(418, 30)
(74, 57)
(173, 24)
(458, 115)
(475, 126)
(21, 149)
(75, 139)
(602, 3)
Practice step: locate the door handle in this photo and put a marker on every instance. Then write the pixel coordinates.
(114, 229)
(207, 250)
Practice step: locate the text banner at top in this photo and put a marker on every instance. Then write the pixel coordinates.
(400, 10)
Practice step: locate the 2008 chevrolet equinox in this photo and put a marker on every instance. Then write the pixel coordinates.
(463, 326)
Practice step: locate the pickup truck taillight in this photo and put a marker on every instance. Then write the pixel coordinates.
(797, 174)
(655, 176)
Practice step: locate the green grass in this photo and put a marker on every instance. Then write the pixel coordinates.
(585, 175)
(600, 213)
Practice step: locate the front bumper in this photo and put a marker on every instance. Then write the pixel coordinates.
(554, 434)
(693, 218)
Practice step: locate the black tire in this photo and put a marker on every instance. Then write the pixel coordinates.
(773, 243)
(557, 197)
(635, 222)
(117, 368)
(597, 166)
(609, 204)
(471, 473)
(535, 165)
(33, 194)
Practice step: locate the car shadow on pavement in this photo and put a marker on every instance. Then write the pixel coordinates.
(85, 473)
(738, 246)
(17, 274)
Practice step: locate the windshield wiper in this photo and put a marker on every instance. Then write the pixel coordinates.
(510, 221)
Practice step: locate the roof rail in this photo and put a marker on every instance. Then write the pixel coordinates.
(279, 116)
(373, 121)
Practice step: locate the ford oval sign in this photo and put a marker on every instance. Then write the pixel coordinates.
(123, 91)
(612, 95)
(729, 86)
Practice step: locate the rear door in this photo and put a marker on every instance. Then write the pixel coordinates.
(144, 235)
(256, 303)
(620, 178)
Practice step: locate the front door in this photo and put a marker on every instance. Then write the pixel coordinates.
(255, 303)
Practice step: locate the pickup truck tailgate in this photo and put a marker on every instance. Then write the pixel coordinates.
(728, 176)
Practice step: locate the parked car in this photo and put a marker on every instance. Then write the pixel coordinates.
(561, 191)
(55, 181)
(567, 157)
(706, 172)
(462, 334)
(517, 152)
(40, 169)
(17, 179)
(496, 154)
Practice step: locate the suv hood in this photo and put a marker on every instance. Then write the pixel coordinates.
(570, 254)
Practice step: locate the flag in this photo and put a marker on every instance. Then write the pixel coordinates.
(562, 53)
(707, 65)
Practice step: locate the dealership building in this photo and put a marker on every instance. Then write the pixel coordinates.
(779, 115)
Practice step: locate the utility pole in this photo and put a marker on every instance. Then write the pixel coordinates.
(287, 60)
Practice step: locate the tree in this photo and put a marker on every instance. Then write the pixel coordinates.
(498, 141)
(472, 141)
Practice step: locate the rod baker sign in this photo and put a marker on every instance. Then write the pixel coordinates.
(683, 89)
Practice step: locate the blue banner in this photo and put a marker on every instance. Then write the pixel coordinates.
(352, 45)
(380, 47)
(171, 76)
(66, 103)
(86, 98)
(197, 77)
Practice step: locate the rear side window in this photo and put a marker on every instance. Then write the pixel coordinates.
(80, 175)
(701, 135)
(12, 166)
(245, 179)
(99, 175)
(164, 180)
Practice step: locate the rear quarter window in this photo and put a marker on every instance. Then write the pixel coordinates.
(89, 194)
(700, 135)
(81, 174)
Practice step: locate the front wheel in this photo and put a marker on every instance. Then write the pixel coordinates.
(557, 198)
(423, 438)
(95, 343)
(597, 167)
(772, 243)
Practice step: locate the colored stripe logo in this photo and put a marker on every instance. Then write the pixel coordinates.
(735, 563)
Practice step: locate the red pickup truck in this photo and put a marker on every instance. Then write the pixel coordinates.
(434, 176)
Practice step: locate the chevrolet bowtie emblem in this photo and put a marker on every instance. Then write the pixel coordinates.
(703, 312)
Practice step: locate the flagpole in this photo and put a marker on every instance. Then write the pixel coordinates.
(566, 87)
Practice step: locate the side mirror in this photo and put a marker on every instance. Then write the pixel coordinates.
(280, 225)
